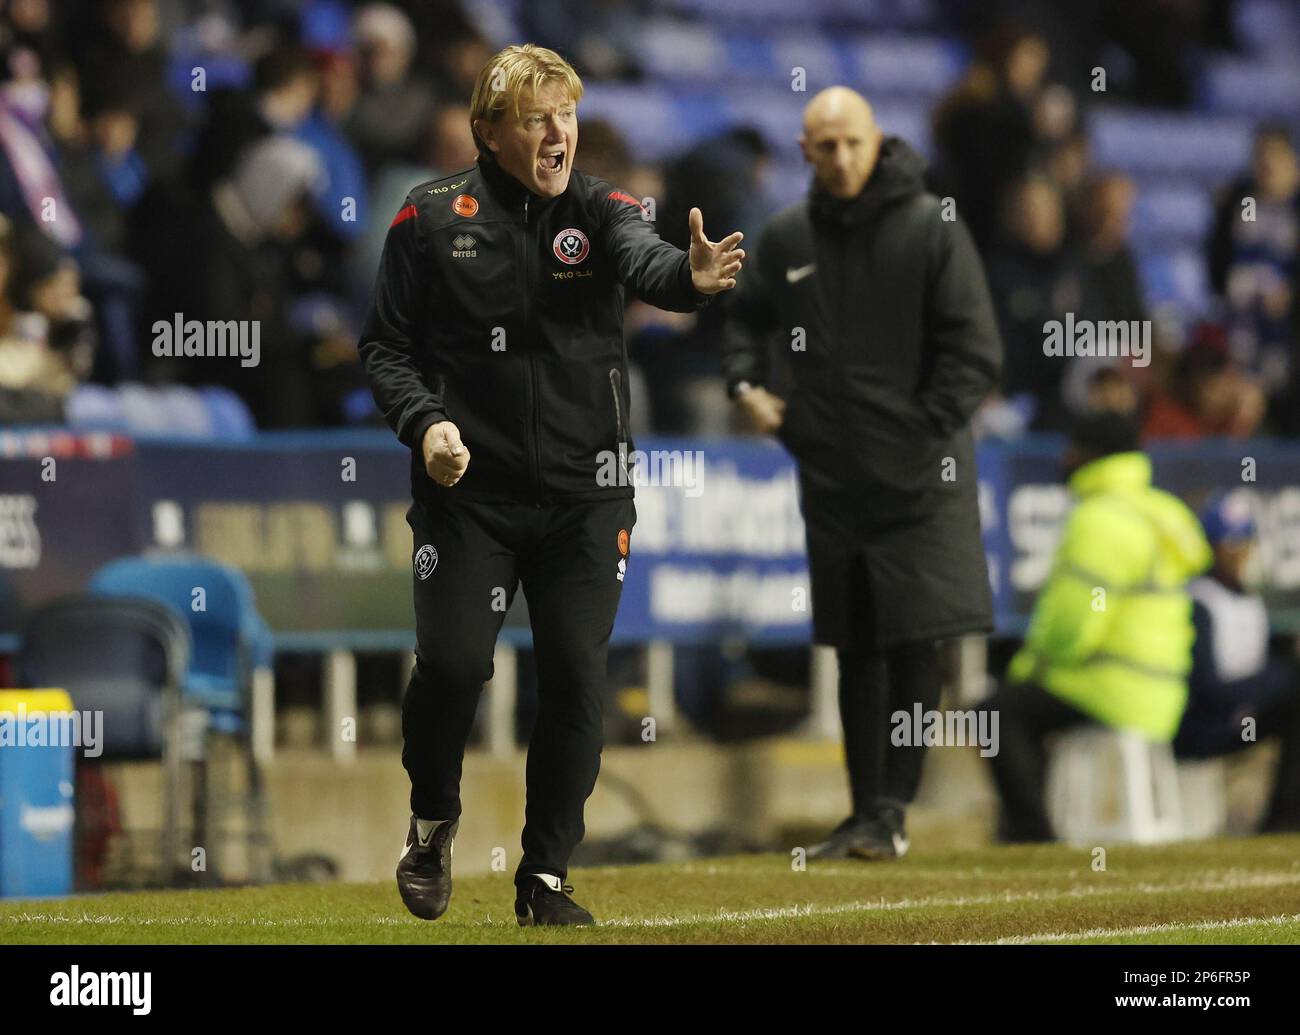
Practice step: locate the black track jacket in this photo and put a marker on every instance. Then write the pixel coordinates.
(503, 312)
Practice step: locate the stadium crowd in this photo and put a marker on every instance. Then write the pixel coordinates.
(241, 160)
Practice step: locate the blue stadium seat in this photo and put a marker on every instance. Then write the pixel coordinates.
(1178, 213)
(207, 412)
(908, 119)
(1176, 276)
(749, 11)
(821, 55)
(229, 639)
(124, 657)
(1249, 87)
(228, 414)
(1268, 26)
(673, 50)
(228, 634)
(646, 116)
(1207, 146)
(785, 182)
(777, 113)
(752, 56)
(924, 66)
(182, 411)
(95, 408)
(885, 14)
(701, 115)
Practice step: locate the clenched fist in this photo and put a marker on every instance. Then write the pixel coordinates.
(445, 456)
(763, 411)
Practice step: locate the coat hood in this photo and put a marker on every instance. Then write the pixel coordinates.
(1184, 551)
(899, 174)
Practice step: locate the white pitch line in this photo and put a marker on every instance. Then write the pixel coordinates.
(1263, 880)
(1226, 883)
(1128, 932)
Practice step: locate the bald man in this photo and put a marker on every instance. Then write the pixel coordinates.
(875, 296)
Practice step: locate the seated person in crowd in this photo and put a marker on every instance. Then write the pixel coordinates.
(1110, 640)
(1237, 694)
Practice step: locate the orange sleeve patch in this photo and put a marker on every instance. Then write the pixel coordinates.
(619, 195)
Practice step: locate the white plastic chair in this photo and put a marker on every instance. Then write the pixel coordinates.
(1113, 786)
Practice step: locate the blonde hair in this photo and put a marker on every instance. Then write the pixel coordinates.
(511, 73)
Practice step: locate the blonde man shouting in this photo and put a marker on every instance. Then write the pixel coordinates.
(495, 351)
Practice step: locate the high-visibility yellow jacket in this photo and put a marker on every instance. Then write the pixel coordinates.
(1112, 631)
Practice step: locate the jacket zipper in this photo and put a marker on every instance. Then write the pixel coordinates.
(535, 403)
(616, 388)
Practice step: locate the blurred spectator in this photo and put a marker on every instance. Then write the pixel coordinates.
(247, 254)
(1156, 37)
(32, 26)
(986, 128)
(1206, 394)
(1112, 285)
(284, 91)
(1253, 265)
(338, 84)
(1034, 278)
(722, 176)
(1238, 695)
(1111, 291)
(600, 37)
(1082, 664)
(31, 190)
(46, 340)
(102, 171)
(1068, 164)
(122, 50)
(448, 148)
(605, 153)
(456, 64)
(1110, 390)
(103, 176)
(392, 113)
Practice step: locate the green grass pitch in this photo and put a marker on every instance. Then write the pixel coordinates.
(1211, 892)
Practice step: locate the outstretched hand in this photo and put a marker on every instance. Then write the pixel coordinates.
(713, 265)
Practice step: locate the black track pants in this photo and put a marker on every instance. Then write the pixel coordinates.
(1027, 714)
(874, 684)
(469, 557)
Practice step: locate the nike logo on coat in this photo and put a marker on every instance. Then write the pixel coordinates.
(793, 275)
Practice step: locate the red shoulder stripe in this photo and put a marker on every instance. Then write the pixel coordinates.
(407, 213)
(619, 195)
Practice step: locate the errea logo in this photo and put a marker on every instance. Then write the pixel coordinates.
(463, 247)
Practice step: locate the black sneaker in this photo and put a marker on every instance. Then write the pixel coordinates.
(543, 901)
(886, 838)
(836, 845)
(876, 837)
(424, 869)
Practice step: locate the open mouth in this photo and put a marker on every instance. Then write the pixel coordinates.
(551, 162)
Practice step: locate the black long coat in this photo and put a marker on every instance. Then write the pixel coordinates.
(881, 306)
